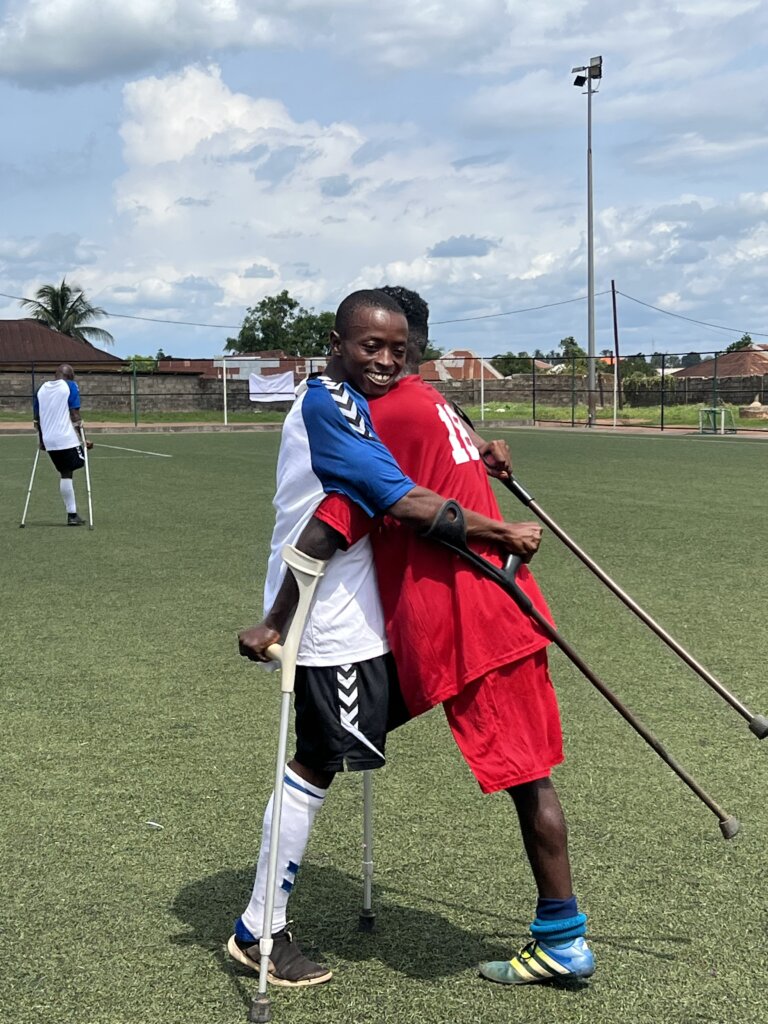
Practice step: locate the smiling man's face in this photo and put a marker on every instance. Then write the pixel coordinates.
(372, 352)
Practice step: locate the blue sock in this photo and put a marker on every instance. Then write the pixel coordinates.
(558, 922)
(242, 933)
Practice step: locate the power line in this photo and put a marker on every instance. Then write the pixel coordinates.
(146, 319)
(236, 327)
(690, 319)
(512, 312)
(438, 323)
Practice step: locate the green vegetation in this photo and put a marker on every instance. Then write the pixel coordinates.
(281, 322)
(65, 308)
(644, 416)
(148, 418)
(124, 702)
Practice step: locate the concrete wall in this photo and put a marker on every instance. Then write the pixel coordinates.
(113, 392)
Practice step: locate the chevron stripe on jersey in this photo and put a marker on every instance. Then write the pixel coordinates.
(347, 406)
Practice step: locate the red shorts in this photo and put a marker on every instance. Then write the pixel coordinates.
(507, 724)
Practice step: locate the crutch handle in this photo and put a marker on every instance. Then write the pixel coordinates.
(511, 566)
(274, 652)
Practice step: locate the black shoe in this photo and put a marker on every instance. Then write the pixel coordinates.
(73, 519)
(287, 964)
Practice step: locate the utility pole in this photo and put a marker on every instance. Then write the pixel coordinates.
(587, 75)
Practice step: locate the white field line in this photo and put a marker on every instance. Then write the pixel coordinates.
(139, 451)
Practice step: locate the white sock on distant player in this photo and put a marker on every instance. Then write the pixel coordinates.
(67, 489)
(301, 802)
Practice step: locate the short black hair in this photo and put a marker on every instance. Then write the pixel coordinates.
(416, 312)
(366, 298)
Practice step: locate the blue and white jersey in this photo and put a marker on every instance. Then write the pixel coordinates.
(329, 446)
(52, 403)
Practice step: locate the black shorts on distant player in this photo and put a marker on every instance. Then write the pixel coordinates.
(67, 460)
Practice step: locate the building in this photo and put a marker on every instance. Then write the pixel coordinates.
(26, 343)
(458, 365)
(745, 362)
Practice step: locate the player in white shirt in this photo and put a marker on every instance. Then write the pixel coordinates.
(57, 421)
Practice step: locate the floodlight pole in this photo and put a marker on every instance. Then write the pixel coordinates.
(592, 414)
(585, 76)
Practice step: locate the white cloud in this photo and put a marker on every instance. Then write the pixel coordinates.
(44, 42)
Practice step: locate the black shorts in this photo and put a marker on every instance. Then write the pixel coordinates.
(67, 460)
(343, 714)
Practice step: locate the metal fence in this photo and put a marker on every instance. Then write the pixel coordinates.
(707, 396)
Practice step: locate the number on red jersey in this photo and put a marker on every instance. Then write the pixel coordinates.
(462, 446)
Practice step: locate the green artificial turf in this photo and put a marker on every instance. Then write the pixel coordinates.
(124, 702)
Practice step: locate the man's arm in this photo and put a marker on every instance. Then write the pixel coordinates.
(318, 539)
(321, 540)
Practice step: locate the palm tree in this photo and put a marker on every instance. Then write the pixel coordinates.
(67, 310)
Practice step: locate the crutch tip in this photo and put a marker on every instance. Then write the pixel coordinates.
(759, 726)
(730, 827)
(22, 525)
(261, 1011)
(367, 921)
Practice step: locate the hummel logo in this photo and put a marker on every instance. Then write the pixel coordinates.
(347, 406)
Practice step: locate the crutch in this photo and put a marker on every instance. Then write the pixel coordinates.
(367, 920)
(307, 572)
(448, 528)
(29, 492)
(87, 476)
(758, 724)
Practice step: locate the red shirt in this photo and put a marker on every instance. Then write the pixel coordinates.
(447, 623)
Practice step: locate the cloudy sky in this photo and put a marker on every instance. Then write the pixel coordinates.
(181, 159)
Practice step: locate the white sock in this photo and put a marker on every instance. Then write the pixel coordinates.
(67, 489)
(301, 802)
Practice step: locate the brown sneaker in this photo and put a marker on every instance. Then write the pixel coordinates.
(287, 964)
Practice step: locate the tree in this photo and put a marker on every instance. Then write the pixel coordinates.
(509, 363)
(637, 364)
(690, 359)
(671, 362)
(142, 364)
(281, 322)
(431, 352)
(574, 354)
(745, 341)
(67, 310)
(161, 355)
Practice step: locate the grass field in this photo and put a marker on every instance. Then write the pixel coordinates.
(124, 702)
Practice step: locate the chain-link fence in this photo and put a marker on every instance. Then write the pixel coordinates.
(715, 392)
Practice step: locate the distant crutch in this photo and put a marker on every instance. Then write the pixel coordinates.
(367, 920)
(307, 572)
(758, 724)
(29, 492)
(87, 475)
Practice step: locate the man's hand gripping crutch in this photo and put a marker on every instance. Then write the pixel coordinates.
(306, 572)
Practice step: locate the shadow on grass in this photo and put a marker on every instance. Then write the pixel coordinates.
(420, 944)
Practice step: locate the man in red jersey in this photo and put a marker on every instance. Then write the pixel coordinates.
(459, 640)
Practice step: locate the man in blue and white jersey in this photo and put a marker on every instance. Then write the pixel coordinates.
(57, 421)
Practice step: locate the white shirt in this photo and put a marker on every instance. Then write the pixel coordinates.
(54, 400)
(346, 624)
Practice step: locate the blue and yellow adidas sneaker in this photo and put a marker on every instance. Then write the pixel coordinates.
(539, 962)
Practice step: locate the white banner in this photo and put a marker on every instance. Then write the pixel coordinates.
(277, 387)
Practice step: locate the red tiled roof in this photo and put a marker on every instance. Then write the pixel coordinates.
(745, 362)
(29, 341)
(458, 365)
